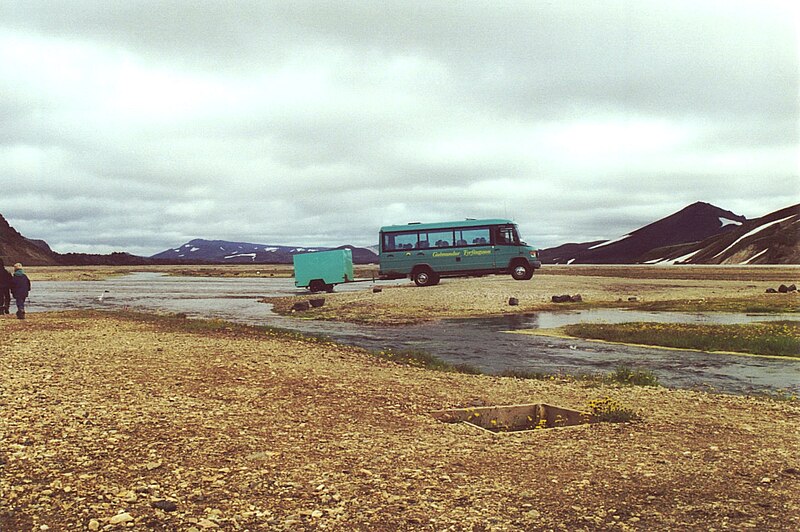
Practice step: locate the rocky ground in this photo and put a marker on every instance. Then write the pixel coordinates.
(691, 289)
(117, 421)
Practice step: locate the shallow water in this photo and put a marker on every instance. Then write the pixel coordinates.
(480, 342)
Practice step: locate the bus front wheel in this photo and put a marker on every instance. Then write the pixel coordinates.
(425, 277)
(522, 271)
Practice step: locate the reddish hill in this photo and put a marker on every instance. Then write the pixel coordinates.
(16, 248)
(771, 239)
(691, 224)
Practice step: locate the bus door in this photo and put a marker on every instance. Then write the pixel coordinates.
(506, 240)
(398, 252)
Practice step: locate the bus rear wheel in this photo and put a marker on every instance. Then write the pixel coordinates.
(521, 271)
(425, 277)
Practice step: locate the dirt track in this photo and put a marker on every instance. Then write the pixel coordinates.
(102, 418)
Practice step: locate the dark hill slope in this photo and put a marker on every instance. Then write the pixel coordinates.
(771, 239)
(16, 248)
(691, 224)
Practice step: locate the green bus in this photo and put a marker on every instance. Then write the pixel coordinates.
(427, 252)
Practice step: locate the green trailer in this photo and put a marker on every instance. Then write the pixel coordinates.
(320, 271)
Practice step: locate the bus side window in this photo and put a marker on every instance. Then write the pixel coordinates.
(441, 239)
(473, 237)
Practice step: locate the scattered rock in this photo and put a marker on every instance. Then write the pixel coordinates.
(317, 302)
(120, 518)
(782, 289)
(377, 290)
(93, 525)
(513, 301)
(567, 299)
(301, 306)
(633, 298)
(167, 506)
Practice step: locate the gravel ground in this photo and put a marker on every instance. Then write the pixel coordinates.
(111, 421)
(691, 289)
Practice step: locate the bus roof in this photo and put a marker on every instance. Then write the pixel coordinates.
(444, 225)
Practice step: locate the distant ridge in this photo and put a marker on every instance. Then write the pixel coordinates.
(16, 248)
(771, 239)
(223, 251)
(691, 224)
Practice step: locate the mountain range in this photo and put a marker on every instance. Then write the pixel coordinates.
(222, 251)
(700, 233)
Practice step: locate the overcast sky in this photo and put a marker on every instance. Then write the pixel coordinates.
(139, 125)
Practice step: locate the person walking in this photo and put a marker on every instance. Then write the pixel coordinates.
(5, 289)
(20, 288)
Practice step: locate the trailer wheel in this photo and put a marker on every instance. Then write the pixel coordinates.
(318, 285)
(425, 277)
(329, 288)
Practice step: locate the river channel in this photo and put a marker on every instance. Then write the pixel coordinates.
(486, 343)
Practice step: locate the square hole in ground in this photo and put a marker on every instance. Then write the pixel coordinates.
(515, 418)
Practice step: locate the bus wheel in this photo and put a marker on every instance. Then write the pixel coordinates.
(317, 285)
(329, 288)
(521, 271)
(425, 277)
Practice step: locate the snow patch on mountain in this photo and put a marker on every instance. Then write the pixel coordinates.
(727, 221)
(752, 232)
(609, 242)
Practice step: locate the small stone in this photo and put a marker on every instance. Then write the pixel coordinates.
(121, 518)
(316, 514)
(93, 525)
(513, 301)
(300, 306)
(153, 465)
(766, 480)
(167, 506)
(207, 523)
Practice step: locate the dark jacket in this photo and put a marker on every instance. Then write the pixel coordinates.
(5, 279)
(20, 285)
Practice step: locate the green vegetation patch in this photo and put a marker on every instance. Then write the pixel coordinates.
(621, 376)
(762, 304)
(780, 338)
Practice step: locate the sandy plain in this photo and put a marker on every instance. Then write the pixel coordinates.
(111, 421)
(115, 421)
(693, 289)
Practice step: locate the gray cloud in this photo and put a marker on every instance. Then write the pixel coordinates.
(137, 126)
